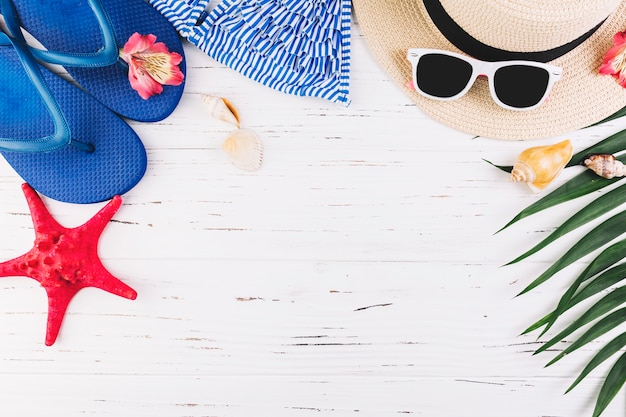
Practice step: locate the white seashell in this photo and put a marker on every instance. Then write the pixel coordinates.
(245, 149)
(605, 166)
(221, 109)
(522, 172)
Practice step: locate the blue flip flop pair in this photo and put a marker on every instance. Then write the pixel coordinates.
(70, 143)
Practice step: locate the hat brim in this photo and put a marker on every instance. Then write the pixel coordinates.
(580, 98)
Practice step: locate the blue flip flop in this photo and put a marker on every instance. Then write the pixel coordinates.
(60, 140)
(86, 36)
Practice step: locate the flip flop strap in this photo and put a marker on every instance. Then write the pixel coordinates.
(62, 135)
(107, 55)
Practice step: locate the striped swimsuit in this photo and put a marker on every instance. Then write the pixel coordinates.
(299, 47)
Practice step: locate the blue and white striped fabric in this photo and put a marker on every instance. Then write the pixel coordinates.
(300, 47)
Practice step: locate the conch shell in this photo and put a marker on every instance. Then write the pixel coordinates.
(540, 165)
(245, 149)
(221, 109)
(605, 165)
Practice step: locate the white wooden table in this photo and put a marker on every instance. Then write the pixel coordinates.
(356, 274)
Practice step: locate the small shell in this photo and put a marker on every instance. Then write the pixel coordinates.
(540, 165)
(605, 165)
(245, 149)
(221, 109)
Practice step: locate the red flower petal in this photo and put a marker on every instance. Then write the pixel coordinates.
(151, 65)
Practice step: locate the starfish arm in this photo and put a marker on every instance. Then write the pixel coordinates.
(16, 267)
(100, 277)
(98, 222)
(58, 300)
(42, 219)
(117, 287)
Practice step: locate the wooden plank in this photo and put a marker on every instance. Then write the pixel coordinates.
(357, 273)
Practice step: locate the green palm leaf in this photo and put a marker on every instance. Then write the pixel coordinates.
(604, 325)
(593, 210)
(602, 234)
(605, 259)
(604, 272)
(606, 352)
(582, 184)
(612, 384)
(605, 280)
(607, 303)
(611, 145)
(505, 168)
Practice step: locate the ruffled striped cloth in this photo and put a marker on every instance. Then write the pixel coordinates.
(299, 47)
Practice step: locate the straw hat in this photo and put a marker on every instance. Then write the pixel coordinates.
(571, 34)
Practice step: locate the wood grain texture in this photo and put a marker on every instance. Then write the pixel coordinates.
(357, 273)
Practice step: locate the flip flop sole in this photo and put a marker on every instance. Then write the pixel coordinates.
(67, 174)
(70, 26)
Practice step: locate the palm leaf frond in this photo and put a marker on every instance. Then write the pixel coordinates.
(591, 211)
(603, 354)
(604, 260)
(596, 238)
(610, 301)
(603, 273)
(612, 384)
(582, 184)
(605, 280)
(613, 144)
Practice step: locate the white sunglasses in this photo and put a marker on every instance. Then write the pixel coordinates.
(514, 85)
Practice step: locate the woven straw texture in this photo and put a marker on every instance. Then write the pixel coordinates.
(581, 98)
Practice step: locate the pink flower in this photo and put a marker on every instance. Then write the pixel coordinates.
(614, 62)
(151, 65)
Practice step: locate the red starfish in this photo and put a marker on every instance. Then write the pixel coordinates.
(65, 260)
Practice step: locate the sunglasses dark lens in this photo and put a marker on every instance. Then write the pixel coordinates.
(520, 86)
(442, 76)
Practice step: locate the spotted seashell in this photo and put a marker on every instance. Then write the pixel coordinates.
(221, 109)
(605, 165)
(540, 165)
(245, 149)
